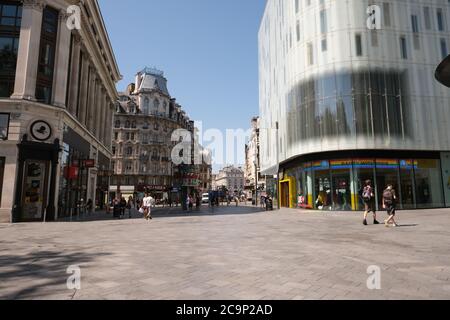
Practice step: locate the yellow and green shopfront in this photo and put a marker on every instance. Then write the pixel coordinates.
(334, 181)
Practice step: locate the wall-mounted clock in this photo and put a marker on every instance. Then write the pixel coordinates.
(41, 130)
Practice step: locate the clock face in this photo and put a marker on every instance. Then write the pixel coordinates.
(41, 130)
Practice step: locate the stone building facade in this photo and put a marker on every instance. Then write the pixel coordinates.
(252, 161)
(232, 178)
(57, 96)
(145, 119)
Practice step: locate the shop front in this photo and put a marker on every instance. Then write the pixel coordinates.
(36, 181)
(337, 184)
(74, 179)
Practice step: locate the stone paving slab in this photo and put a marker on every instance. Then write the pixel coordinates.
(235, 253)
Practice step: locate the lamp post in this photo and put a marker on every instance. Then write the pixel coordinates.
(256, 183)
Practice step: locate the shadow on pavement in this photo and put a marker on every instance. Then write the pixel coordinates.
(25, 276)
(170, 213)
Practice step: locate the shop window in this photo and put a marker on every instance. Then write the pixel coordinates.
(363, 170)
(387, 174)
(344, 198)
(407, 192)
(10, 21)
(428, 178)
(44, 84)
(4, 126)
(322, 185)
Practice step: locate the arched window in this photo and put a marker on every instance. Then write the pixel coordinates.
(146, 105)
(127, 124)
(117, 124)
(133, 125)
(156, 104)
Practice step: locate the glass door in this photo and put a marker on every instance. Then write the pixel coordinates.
(342, 195)
(35, 190)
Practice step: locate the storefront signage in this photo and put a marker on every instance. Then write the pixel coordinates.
(387, 164)
(41, 131)
(89, 163)
(364, 163)
(320, 165)
(341, 164)
(408, 164)
(71, 172)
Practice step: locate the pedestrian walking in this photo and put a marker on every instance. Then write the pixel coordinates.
(191, 203)
(89, 207)
(147, 206)
(130, 206)
(390, 203)
(123, 206)
(368, 196)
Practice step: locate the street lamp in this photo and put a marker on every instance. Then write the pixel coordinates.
(256, 182)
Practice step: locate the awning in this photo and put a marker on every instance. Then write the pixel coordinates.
(271, 171)
(443, 72)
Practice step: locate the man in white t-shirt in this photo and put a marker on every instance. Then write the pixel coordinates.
(147, 206)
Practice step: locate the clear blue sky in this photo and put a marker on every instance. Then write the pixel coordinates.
(207, 49)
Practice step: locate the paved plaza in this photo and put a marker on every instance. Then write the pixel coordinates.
(235, 253)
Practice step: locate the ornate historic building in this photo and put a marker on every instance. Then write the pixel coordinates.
(144, 121)
(57, 97)
(231, 178)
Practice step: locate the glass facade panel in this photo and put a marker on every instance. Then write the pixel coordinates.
(341, 173)
(387, 174)
(446, 176)
(348, 104)
(407, 184)
(322, 186)
(429, 184)
(363, 170)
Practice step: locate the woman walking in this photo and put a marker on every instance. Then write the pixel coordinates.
(147, 206)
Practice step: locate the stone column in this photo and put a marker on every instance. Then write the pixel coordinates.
(61, 62)
(109, 124)
(74, 75)
(84, 88)
(28, 52)
(104, 118)
(91, 102)
(99, 112)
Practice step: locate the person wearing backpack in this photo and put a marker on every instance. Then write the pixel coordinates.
(368, 196)
(389, 203)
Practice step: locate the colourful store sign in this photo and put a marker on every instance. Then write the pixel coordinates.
(408, 164)
(364, 163)
(321, 165)
(341, 164)
(387, 164)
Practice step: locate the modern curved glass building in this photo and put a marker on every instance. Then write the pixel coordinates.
(348, 93)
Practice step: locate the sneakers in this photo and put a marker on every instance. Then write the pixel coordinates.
(365, 222)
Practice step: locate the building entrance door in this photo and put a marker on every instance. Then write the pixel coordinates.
(35, 190)
(284, 195)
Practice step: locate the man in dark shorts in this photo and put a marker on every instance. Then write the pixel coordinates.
(368, 196)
